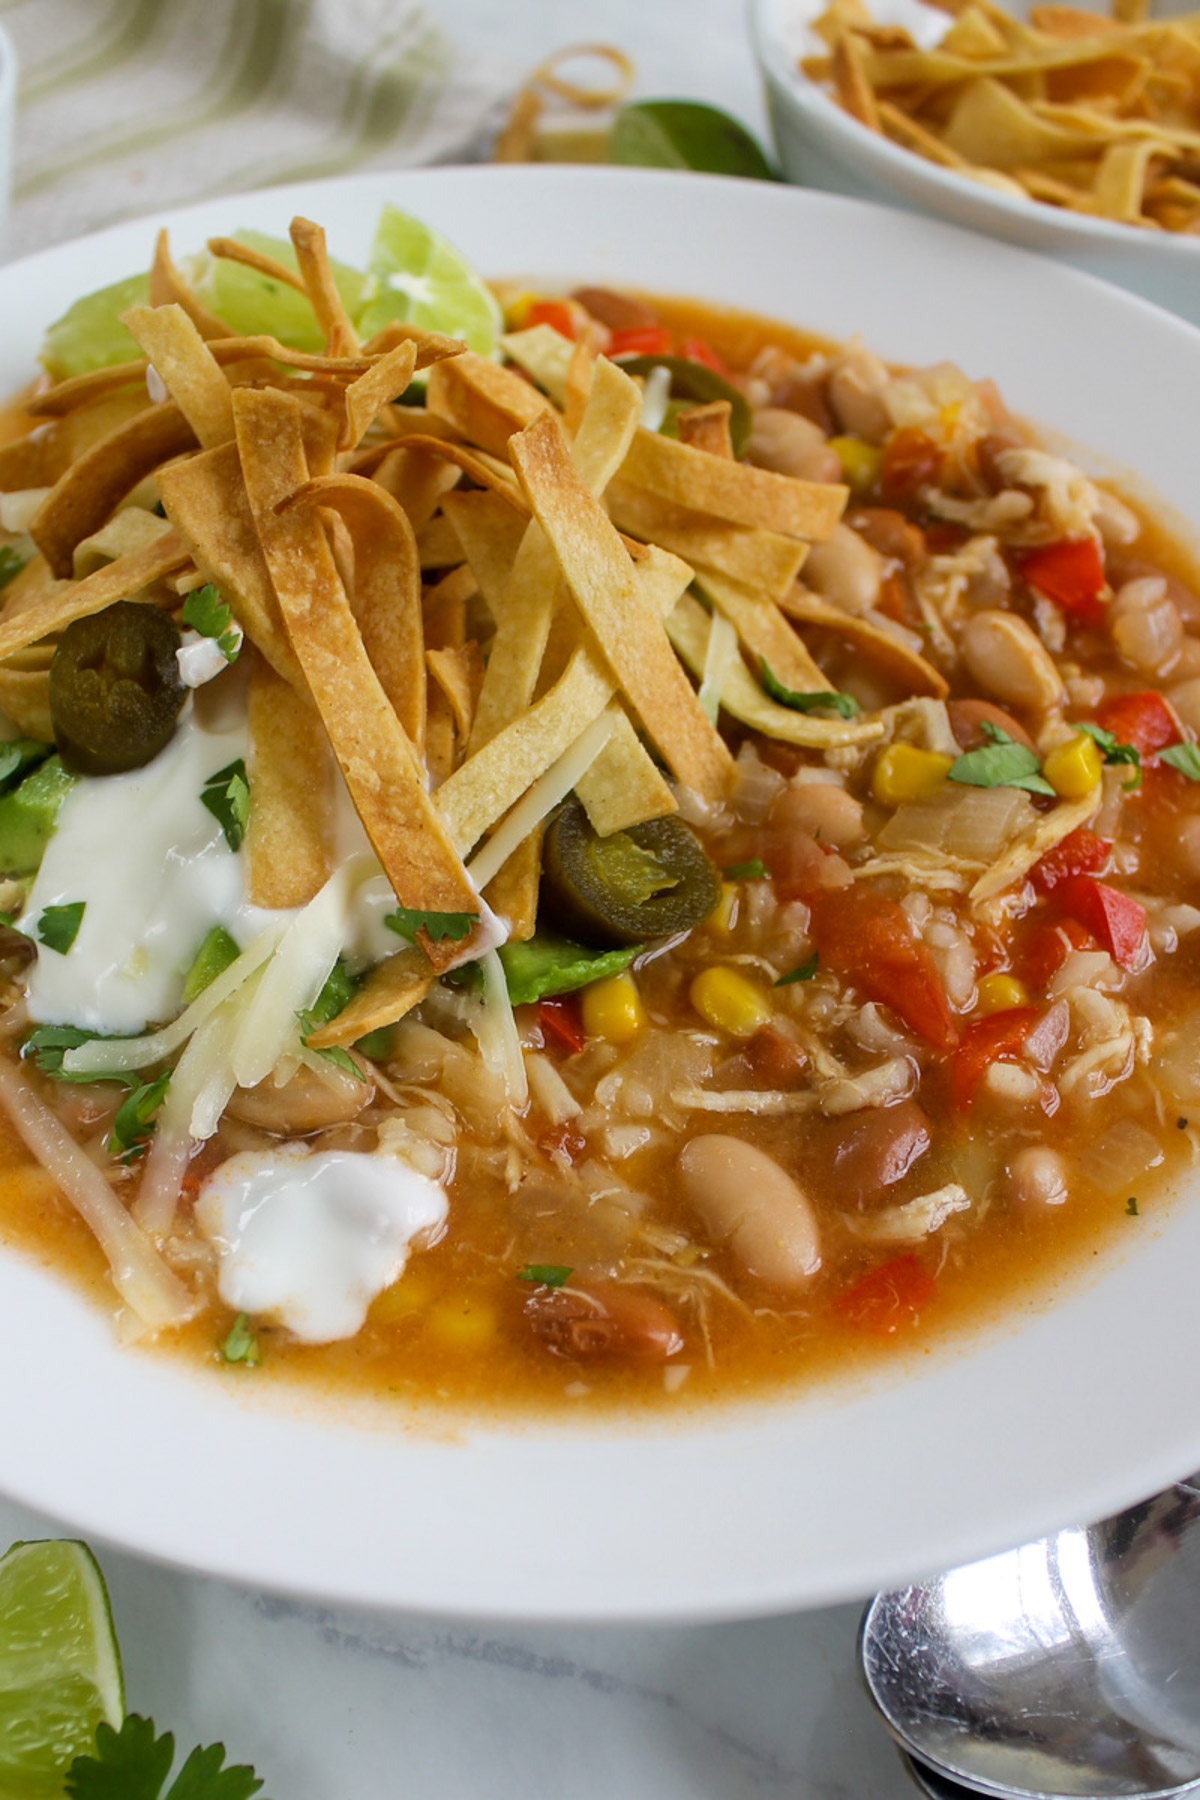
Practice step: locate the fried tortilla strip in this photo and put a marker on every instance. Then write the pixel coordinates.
(1120, 181)
(30, 586)
(385, 779)
(580, 371)
(417, 482)
(488, 533)
(205, 500)
(689, 626)
(387, 588)
(854, 90)
(123, 579)
(487, 403)
(187, 368)
(737, 492)
(545, 355)
(765, 560)
(623, 787)
(312, 256)
(438, 542)
(445, 611)
(168, 287)
(232, 250)
(25, 699)
(871, 637)
(393, 988)
(376, 388)
(80, 390)
(481, 472)
(289, 834)
(88, 493)
(133, 528)
(765, 632)
(707, 428)
(1047, 830)
(600, 576)
(459, 675)
(512, 893)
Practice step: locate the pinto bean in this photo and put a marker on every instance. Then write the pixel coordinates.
(620, 312)
(776, 1061)
(1037, 1176)
(967, 720)
(748, 1201)
(987, 452)
(604, 1321)
(1009, 662)
(876, 1149)
(856, 385)
(823, 809)
(889, 532)
(846, 570)
(308, 1102)
(790, 444)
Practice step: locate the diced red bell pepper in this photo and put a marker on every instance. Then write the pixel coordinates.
(911, 460)
(1071, 573)
(562, 1020)
(1116, 922)
(1047, 947)
(997, 1037)
(869, 940)
(1143, 720)
(1082, 852)
(696, 350)
(641, 340)
(555, 313)
(890, 1297)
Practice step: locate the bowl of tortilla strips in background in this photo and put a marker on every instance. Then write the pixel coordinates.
(1065, 129)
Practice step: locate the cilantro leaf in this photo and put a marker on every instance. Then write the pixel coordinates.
(46, 1047)
(845, 705)
(546, 1274)
(227, 797)
(1112, 751)
(130, 1127)
(241, 1344)
(802, 972)
(340, 988)
(334, 1053)
(754, 870)
(1001, 763)
(11, 563)
(406, 921)
(134, 1763)
(206, 612)
(1185, 757)
(58, 926)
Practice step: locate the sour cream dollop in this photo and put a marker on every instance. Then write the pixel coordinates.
(309, 1239)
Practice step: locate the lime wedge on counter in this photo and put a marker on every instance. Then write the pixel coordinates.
(421, 277)
(60, 1670)
(685, 134)
(251, 303)
(90, 334)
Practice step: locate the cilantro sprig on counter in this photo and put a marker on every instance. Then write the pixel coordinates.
(825, 700)
(206, 612)
(1000, 763)
(134, 1763)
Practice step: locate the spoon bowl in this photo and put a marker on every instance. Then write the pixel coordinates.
(1067, 1669)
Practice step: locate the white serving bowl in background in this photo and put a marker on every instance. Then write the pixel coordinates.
(821, 146)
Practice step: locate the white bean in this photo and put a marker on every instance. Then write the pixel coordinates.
(1185, 698)
(791, 445)
(846, 570)
(1145, 626)
(308, 1102)
(748, 1201)
(1006, 659)
(1117, 523)
(856, 386)
(823, 809)
(1038, 1176)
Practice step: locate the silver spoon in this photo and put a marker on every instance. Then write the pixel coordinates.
(1069, 1667)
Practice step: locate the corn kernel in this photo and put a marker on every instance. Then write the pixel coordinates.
(861, 462)
(724, 916)
(462, 1324)
(904, 772)
(999, 992)
(411, 1294)
(1073, 770)
(516, 310)
(613, 1009)
(727, 1000)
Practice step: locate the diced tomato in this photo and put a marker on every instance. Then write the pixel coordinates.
(555, 313)
(869, 940)
(641, 340)
(1047, 947)
(997, 1037)
(889, 1298)
(911, 460)
(1082, 852)
(1143, 720)
(1117, 922)
(562, 1020)
(1071, 573)
(696, 350)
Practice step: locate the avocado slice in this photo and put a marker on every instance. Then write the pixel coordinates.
(28, 815)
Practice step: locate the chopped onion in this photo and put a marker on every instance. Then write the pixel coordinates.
(719, 657)
(656, 394)
(974, 823)
(756, 785)
(495, 1028)
(1120, 1156)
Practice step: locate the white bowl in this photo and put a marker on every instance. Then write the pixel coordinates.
(821, 146)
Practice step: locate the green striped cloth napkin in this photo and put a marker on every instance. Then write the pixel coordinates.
(133, 106)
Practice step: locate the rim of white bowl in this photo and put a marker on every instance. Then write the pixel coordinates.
(777, 59)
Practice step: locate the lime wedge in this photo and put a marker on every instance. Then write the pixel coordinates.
(251, 303)
(60, 1670)
(90, 334)
(423, 278)
(685, 134)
